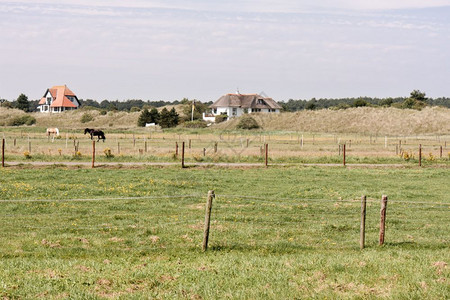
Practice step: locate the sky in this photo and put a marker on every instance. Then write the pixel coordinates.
(199, 49)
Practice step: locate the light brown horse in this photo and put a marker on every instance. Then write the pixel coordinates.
(52, 131)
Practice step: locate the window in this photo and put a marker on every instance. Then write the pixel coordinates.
(215, 110)
(256, 109)
(234, 111)
(260, 101)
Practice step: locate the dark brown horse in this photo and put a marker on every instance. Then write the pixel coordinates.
(93, 132)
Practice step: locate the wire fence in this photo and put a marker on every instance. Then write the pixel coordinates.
(235, 219)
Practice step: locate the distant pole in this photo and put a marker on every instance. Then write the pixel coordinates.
(267, 155)
(384, 200)
(176, 149)
(420, 155)
(145, 146)
(362, 235)
(344, 154)
(93, 154)
(3, 153)
(204, 151)
(209, 201)
(182, 155)
(440, 152)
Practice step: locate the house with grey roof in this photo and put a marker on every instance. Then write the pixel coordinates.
(235, 105)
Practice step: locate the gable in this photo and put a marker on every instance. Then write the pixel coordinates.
(245, 101)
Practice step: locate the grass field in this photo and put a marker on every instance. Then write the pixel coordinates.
(226, 146)
(276, 233)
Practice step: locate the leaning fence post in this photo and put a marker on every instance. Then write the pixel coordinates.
(209, 201)
(362, 235)
(383, 218)
(3, 153)
(93, 154)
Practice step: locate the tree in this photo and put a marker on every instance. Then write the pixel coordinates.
(164, 118)
(417, 100)
(168, 118)
(359, 102)
(174, 117)
(154, 116)
(418, 95)
(22, 103)
(144, 118)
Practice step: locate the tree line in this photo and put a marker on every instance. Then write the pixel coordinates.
(131, 105)
(343, 103)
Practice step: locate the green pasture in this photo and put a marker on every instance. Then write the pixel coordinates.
(276, 233)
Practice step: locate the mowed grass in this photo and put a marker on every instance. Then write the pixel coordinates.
(276, 233)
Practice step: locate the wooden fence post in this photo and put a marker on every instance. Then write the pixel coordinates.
(440, 152)
(93, 154)
(339, 149)
(302, 141)
(362, 233)
(3, 153)
(176, 149)
(189, 143)
(420, 155)
(267, 154)
(182, 155)
(215, 147)
(383, 218)
(204, 151)
(15, 143)
(209, 201)
(343, 151)
(118, 148)
(29, 146)
(145, 146)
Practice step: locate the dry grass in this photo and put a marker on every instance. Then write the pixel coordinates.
(363, 120)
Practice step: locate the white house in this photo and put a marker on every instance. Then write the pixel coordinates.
(235, 105)
(58, 99)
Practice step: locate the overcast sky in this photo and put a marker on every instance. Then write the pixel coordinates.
(167, 50)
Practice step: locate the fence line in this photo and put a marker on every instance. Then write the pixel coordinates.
(356, 201)
(102, 199)
(271, 199)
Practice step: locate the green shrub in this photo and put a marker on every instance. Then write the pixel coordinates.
(135, 109)
(22, 120)
(195, 124)
(86, 117)
(103, 112)
(247, 122)
(220, 118)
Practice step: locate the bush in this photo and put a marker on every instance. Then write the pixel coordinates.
(22, 120)
(135, 109)
(103, 112)
(220, 118)
(247, 122)
(86, 117)
(195, 124)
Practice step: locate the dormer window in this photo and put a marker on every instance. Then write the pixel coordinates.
(260, 101)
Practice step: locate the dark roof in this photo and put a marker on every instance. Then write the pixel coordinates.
(245, 101)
